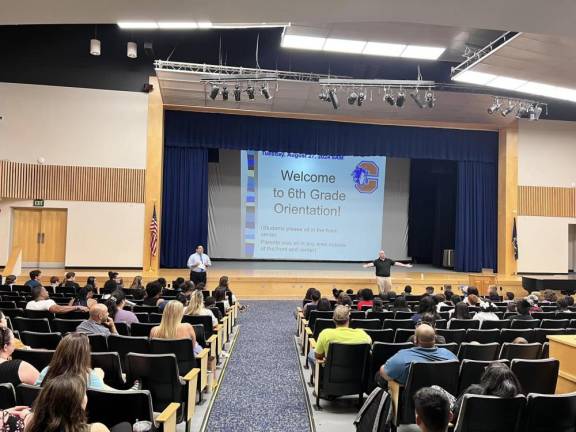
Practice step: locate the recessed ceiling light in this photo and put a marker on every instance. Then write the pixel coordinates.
(134, 25)
(303, 42)
(506, 83)
(204, 24)
(383, 49)
(472, 77)
(344, 45)
(177, 25)
(422, 52)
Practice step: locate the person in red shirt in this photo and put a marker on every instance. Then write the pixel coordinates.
(366, 298)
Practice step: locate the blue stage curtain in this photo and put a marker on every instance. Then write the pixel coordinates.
(184, 204)
(208, 130)
(476, 216)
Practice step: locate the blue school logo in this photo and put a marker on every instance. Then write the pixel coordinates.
(365, 177)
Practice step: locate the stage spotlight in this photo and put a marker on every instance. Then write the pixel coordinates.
(250, 92)
(225, 93)
(522, 112)
(95, 47)
(132, 50)
(416, 99)
(237, 93)
(494, 107)
(265, 92)
(214, 92)
(333, 97)
(534, 112)
(323, 96)
(430, 99)
(400, 99)
(389, 99)
(352, 97)
(361, 97)
(508, 109)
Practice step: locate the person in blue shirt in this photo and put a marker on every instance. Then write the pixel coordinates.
(425, 351)
(34, 279)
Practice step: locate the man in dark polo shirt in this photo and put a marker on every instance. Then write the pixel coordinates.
(382, 265)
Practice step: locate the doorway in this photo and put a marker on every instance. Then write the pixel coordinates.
(41, 233)
(571, 247)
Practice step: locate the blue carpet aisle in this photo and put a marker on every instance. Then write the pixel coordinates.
(262, 390)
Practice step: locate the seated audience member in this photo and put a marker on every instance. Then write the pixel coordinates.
(14, 371)
(313, 304)
(72, 357)
(162, 282)
(427, 304)
(441, 301)
(324, 305)
(136, 283)
(397, 366)
(35, 279)
(509, 297)
(344, 300)
(350, 291)
(70, 281)
(224, 282)
(520, 340)
(377, 305)
(429, 319)
(200, 286)
(487, 312)
(400, 305)
(365, 299)
(54, 282)
(493, 293)
(99, 322)
(497, 380)
(111, 284)
(185, 292)
(432, 410)
(4, 325)
(534, 299)
(115, 305)
(336, 292)
(563, 305)
(196, 307)
(308, 296)
(461, 311)
(220, 296)
(570, 300)
(153, 293)
(61, 407)
(549, 297)
(455, 299)
(84, 297)
(177, 284)
(472, 290)
(91, 280)
(210, 303)
(172, 327)
(13, 419)
(10, 281)
(407, 290)
(523, 309)
(472, 300)
(429, 290)
(341, 334)
(41, 302)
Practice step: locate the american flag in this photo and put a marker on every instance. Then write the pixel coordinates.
(154, 233)
(515, 240)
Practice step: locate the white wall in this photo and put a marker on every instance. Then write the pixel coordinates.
(546, 157)
(84, 127)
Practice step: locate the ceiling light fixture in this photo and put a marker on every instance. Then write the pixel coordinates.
(204, 24)
(388, 98)
(237, 93)
(383, 49)
(361, 97)
(352, 97)
(95, 47)
(344, 46)
(303, 42)
(508, 109)
(134, 25)
(534, 112)
(224, 93)
(333, 97)
(214, 92)
(495, 107)
(132, 50)
(264, 91)
(192, 25)
(422, 52)
(250, 92)
(400, 99)
(430, 99)
(323, 96)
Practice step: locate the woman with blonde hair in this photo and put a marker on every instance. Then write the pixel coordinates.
(196, 307)
(172, 327)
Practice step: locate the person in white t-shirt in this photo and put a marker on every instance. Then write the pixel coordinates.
(41, 301)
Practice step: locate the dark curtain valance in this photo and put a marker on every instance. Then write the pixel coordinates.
(239, 132)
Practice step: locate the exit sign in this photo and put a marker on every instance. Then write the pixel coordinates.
(38, 203)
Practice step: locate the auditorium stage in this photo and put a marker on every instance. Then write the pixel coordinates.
(289, 280)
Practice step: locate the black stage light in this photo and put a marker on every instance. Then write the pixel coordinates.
(250, 92)
(214, 92)
(352, 97)
(400, 99)
(225, 93)
(417, 100)
(333, 98)
(237, 93)
(361, 97)
(265, 92)
(389, 99)
(495, 107)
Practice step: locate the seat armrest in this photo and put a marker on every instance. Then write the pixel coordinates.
(167, 418)
(203, 358)
(395, 389)
(308, 331)
(312, 343)
(191, 379)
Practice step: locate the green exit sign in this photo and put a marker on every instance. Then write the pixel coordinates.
(38, 203)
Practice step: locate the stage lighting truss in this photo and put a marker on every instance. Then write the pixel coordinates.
(520, 108)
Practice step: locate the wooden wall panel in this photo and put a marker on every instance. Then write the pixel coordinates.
(71, 183)
(546, 201)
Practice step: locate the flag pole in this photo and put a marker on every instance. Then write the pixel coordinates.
(150, 244)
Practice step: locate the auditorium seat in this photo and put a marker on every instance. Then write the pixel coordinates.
(315, 314)
(403, 315)
(7, 396)
(481, 352)
(26, 394)
(142, 329)
(380, 315)
(155, 317)
(13, 313)
(540, 334)
(457, 324)
(206, 322)
(40, 325)
(143, 317)
(471, 371)
(109, 362)
(38, 314)
(98, 343)
(508, 335)
(524, 324)
(354, 314)
(381, 335)
(493, 324)
(7, 304)
(510, 351)
(554, 413)
(38, 358)
(74, 315)
(342, 372)
(481, 413)
(450, 346)
(37, 340)
(147, 309)
(128, 344)
(565, 315)
(441, 324)
(382, 351)
(543, 315)
(482, 336)
(402, 335)
(373, 324)
(122, 328)
(536, 376)
(451, 335)
(395, 324)
(65, 325)
(113, 407)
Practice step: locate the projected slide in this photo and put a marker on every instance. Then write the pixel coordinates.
(311, 207)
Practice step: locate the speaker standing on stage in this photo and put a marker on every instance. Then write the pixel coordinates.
(197, 264)
(383, 264)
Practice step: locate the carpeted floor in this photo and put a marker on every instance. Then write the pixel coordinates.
(262, 390)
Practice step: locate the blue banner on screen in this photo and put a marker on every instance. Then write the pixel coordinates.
(311, 207)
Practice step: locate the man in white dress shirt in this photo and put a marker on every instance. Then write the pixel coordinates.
(197, 264)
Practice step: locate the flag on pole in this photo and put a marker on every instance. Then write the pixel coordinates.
(154, 233)
(515, 240)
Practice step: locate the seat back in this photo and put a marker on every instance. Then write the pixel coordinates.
(182, 348)
(471, 371)
(114, 407)
(401, 315)
(395, 324)
(143, 308)
(98, 343)
(7, 396)
(382, 351)
(508, 335)
(482, 336)
(490, 414)
(482, 352)
(524, 324)
(380, 316)
(38, 314)
(65, 325)
(73, 315)
(206, 321)
(456, 324)
(122, 328)
(426, 374)
(315, 314)
(554, 323)
(540, 334)
(537, 376)
(109, 362)
(345, 370)
(47, 341)
(450, 346)
(142, 329)
(373, 324)
(383, 335)
(13, 313)
(40, 325)
(200, 336)
(38, 358)
(489, 324)
(543, 315)
(452, 335)
(155, 317)
(26, 394)
(539, 409)
(402, 335)
(143, 317)
(159, 374)
(512, 351)
(321, 324)
(128, 344)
